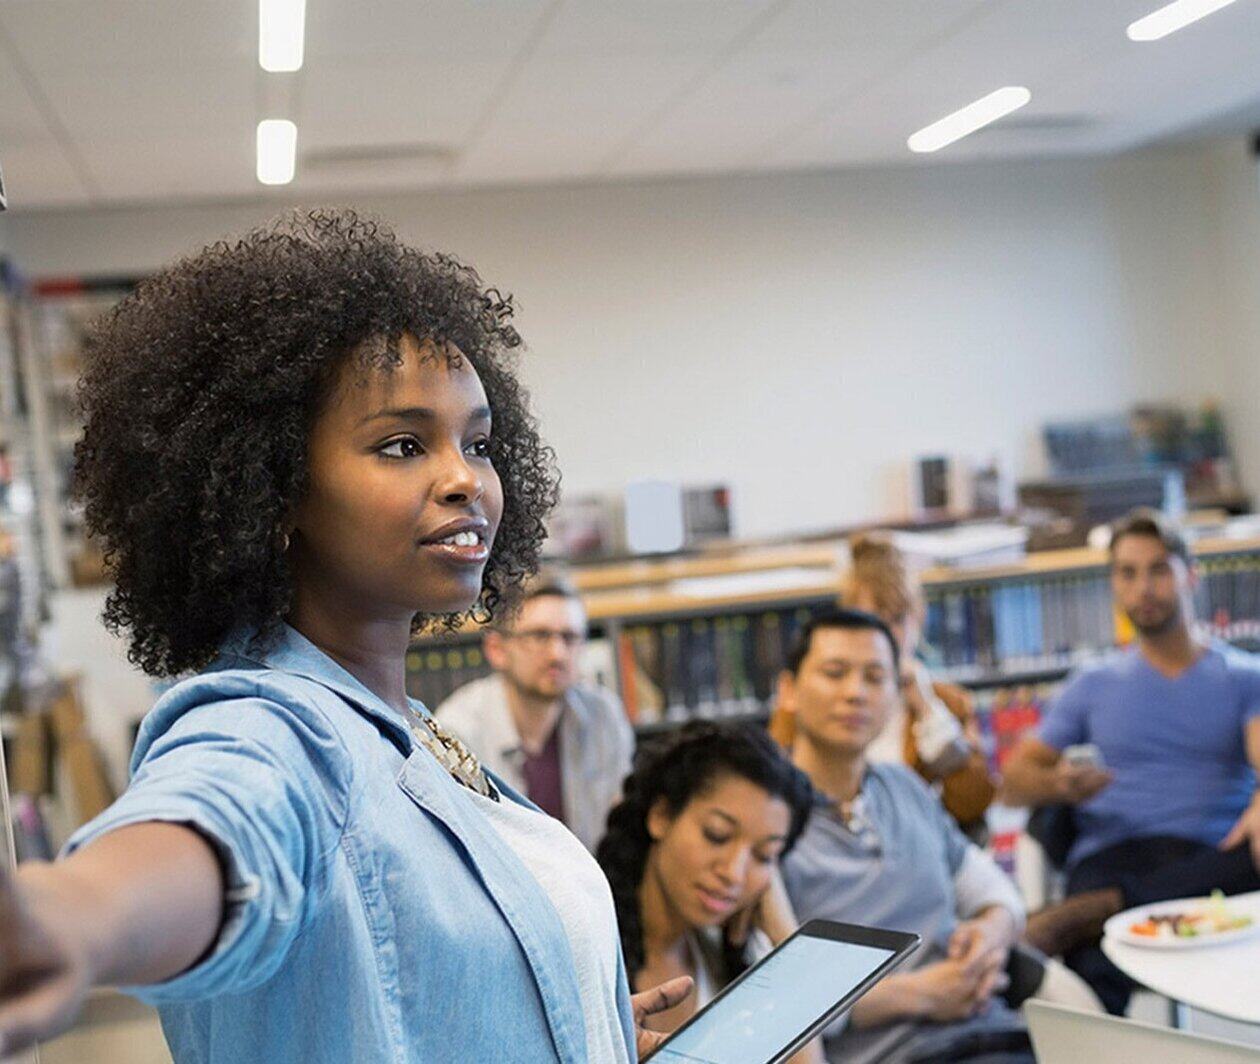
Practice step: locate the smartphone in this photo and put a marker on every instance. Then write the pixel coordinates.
(789, 996)
(1083, 754)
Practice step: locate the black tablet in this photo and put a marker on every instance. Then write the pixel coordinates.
(783, 1001)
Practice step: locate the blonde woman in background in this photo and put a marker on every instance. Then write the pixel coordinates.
(934, 728)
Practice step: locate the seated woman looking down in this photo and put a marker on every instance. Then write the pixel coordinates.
(301, 448)
(692, 853)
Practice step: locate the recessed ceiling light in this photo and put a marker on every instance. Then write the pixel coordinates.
(1172, 17)
(970, 118)
(277, 151)
(281, 35)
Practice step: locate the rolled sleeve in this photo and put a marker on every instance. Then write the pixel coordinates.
(267, 784)
(980, 884)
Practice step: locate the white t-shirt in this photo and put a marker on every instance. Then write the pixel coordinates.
(582, 899)
(932, 735)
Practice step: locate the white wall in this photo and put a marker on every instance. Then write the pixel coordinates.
(803, 336)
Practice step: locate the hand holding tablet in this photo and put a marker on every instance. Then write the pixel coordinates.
(779, 1004)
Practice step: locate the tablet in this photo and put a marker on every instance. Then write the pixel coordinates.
(786, 999)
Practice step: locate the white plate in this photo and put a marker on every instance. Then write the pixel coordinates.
(1117, 928)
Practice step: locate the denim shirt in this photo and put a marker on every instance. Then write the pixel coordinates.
(373, 913)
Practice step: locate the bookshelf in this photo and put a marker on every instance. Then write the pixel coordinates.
(52, 321)
(707, 635)
(1032, 623)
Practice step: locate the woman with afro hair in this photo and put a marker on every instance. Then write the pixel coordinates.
(692, 854)
(302, 448)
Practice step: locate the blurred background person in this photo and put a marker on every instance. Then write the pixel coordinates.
(932, 726)
(692, 854)
(879, 850)
(1152, 755)
(565, 744)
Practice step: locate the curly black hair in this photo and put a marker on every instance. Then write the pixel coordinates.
(199, 393)
(677, 767)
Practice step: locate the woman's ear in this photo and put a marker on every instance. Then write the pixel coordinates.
(659, 820)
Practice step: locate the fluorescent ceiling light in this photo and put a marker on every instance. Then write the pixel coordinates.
(1172, 17)
(277, 151)
(281, 29)
(970, 118)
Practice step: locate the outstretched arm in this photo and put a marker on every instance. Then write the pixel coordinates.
(138, 905)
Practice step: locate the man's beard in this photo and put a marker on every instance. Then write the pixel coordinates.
(1166, 623)
(535, 692)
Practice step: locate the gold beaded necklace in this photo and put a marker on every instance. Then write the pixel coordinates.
(451, 754)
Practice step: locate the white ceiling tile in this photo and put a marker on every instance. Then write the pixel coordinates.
(211, 100)
(577, 109)
(847, 26)
(170, 167)
(159, 98)
(355, 103)
(163, 35)
(407, 31)
(20, 119)
(620, 28)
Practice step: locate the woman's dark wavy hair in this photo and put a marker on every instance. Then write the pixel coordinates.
(678, 767)
(199, 393)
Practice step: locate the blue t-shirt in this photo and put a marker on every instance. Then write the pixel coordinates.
(1175, 746)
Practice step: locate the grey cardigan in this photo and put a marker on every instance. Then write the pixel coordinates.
(596, 745)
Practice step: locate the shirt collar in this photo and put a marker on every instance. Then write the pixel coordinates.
(291, 652)
(571, 710)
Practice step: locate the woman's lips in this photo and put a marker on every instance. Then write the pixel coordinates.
(717, 904)
(471, 555)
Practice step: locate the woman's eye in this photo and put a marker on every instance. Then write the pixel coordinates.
(480, 448)
(717, 840)
(404, 447)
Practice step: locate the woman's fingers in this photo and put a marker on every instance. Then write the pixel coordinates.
(41, 1012)
(661, 998)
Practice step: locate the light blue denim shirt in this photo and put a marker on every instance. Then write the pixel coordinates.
(373, 912)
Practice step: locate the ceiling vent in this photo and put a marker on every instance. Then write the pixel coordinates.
(1048, 124)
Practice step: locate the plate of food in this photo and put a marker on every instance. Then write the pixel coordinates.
(1186, 924)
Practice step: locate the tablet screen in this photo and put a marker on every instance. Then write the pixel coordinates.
(787, 994)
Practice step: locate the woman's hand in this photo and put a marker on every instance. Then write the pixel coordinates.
(916, 690)
(44, 975)
(992, 931)
(659, 999)
(771, 912)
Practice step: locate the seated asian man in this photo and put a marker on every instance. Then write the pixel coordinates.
(880, 850)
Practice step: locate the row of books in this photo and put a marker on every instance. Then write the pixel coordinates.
(1055, 620)
(1229, 596)
(669, 672)
(1019, 623)
(1007, 714)
(705, 667)
(435, 671)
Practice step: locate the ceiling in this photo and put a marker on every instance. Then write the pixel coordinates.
(109, 101)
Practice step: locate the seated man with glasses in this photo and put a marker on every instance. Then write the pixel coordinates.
(565, 744)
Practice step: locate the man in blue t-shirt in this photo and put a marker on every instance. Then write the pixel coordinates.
(1165, 804)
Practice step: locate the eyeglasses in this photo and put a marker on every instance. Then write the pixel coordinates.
(540, 638)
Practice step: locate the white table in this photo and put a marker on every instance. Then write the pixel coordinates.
(1224, 980)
